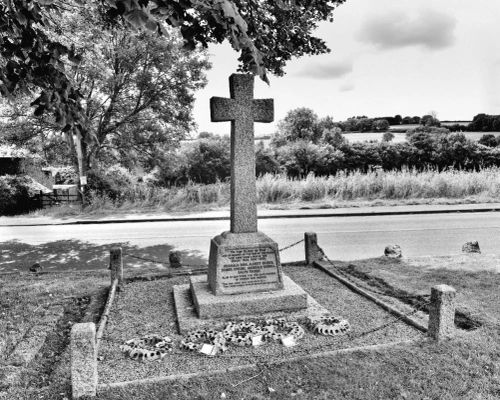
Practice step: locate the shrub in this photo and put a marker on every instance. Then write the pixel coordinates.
(488, 140)
(111, 183)
(17, 195)
(387, 137)
(265, 161)
(208, 160)
(302, 157)
(485, 123)
(381, 125)
(427, 147)
(334, 137)
(66, 176)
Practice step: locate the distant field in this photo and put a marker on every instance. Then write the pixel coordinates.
(477, 135)
(399, 128)
(373, 136)
(400, 137)
(450, 123)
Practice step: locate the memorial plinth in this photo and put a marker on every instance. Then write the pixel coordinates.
(244, 262)
(244, 277)
(291, 298)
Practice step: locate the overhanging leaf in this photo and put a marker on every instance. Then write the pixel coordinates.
(137, 18)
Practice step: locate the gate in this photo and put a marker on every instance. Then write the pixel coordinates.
(58, 197)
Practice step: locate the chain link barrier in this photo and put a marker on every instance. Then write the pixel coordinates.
(264, 360)
(151, 260)
(167, 263)
(291, 245)
(349, 276)
(412, 301)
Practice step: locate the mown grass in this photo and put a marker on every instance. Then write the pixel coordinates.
(464, 368)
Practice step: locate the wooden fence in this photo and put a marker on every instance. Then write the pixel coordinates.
(57, 197)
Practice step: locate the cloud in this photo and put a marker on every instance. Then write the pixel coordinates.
(346, 87)
(429, 29)
(327, 70)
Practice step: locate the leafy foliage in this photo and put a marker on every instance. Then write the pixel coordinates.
(111, 183)
(488, 140)
(299, 124)
(333, 136)
(265, 161)
(66, 176)
(485, 123)
(387, 137)
(363, 124)
(266, 33)
(302, 157)
(137, 94)
(430, 120)
(426, 147)
(16, 195)
(32, 60)
(208, 160)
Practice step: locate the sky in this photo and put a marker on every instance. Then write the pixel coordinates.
(388, 57)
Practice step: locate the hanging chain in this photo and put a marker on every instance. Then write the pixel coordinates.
(349, 276)
(199, 265)
(394, 319)
(291, 245)
(164, 262)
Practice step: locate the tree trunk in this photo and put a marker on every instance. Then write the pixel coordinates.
(81, 162)
(84, 167)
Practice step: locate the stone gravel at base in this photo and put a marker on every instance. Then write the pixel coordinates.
(147, 307)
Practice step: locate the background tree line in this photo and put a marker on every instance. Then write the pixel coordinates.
(305, 143)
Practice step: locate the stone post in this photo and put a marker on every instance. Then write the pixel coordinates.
(83, 360)
(116, 264)
(313, 252)
(442, 312)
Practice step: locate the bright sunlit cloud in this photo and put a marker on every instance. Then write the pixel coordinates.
(324, 70)
(388, 57)
(428, 28)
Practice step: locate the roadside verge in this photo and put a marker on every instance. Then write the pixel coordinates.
(262, 214)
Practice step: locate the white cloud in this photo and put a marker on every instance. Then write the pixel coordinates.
(346, 87)
(429, 28)
(326, 70)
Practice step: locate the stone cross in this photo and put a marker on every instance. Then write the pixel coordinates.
(242, 110)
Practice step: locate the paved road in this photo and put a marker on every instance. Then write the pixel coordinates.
(343, 238)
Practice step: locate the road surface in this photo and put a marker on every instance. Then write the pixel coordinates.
(342, 238)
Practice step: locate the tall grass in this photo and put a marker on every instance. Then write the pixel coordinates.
(390, 185)
(355, 186)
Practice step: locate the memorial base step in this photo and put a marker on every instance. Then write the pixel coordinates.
(198, 308)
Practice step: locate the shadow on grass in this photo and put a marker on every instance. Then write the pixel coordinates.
(411, 280)
(75, 255)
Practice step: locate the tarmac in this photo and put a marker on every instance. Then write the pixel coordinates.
(262, 214)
